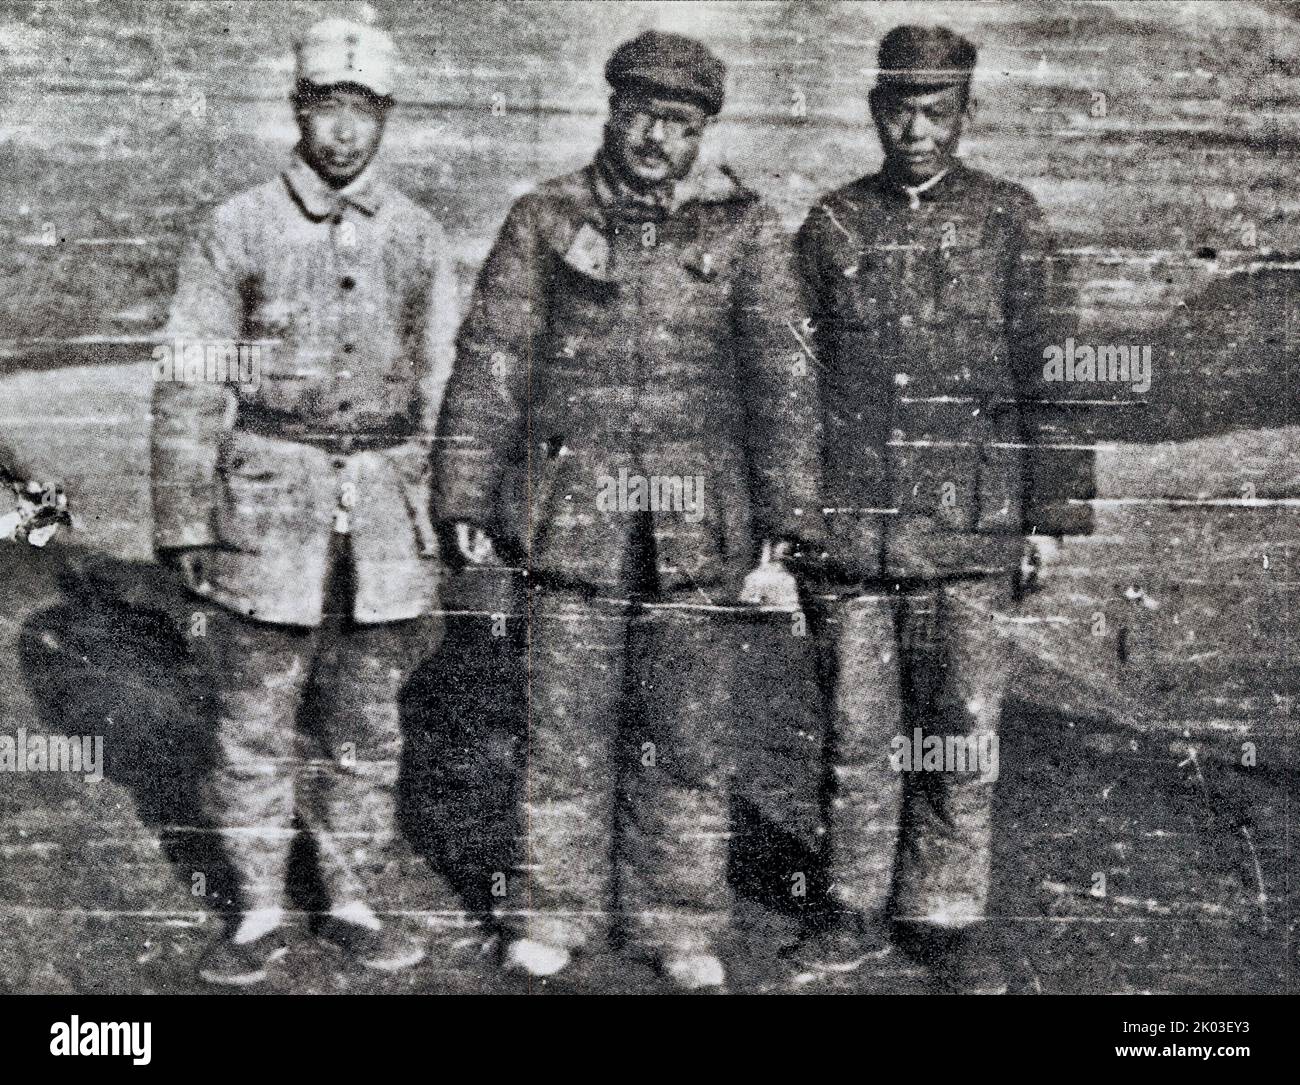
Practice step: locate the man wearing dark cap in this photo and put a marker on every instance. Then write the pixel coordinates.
(293, 494)
(631, 416)
(928, 283)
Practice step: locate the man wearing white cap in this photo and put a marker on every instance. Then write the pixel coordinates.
(297, 499)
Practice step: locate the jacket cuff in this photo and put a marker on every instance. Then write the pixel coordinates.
(464, 508)
(802, 526)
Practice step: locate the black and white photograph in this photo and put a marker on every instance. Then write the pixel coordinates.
(634, 498)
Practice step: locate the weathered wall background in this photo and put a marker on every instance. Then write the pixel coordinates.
(1176, 210)
(121, 120)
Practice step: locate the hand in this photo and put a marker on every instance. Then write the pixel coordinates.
(1040, 554)
(770, 583)
(474, 544)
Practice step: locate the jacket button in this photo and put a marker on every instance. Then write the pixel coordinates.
(345, 406)
(347, 282)
(348, 348)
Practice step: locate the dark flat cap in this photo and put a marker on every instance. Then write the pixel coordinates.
(671, 65)
(924, 56)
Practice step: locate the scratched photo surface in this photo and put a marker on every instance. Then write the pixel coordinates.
(610, 664)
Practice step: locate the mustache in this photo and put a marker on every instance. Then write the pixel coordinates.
(648, 152)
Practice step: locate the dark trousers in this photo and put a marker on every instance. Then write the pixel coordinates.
(625, 811)
(339, 777)
(936, 656)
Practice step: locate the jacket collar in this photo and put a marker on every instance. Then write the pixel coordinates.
(616, 196)
(579, 235)
(320, 201)
(711, 183)
(926, 192)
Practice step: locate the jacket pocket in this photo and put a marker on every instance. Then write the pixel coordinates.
(250, 510)
(264, 492)
(972, 283)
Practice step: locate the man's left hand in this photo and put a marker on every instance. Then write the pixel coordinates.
(1040, 554)
(770, 583)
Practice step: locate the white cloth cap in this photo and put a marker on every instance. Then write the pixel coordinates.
(341, 51)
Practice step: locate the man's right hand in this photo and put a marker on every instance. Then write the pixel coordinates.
(474, 544)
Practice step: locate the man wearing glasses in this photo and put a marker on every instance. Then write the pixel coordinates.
(631, 417)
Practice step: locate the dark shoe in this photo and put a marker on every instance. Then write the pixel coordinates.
(392, 947)
(843, 943)
(228, 963)
(965, 960)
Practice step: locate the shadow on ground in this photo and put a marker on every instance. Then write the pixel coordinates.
(1195, 852)
(114, 655)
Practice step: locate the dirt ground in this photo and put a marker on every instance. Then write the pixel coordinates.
(98, 883)
(1153, 747)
